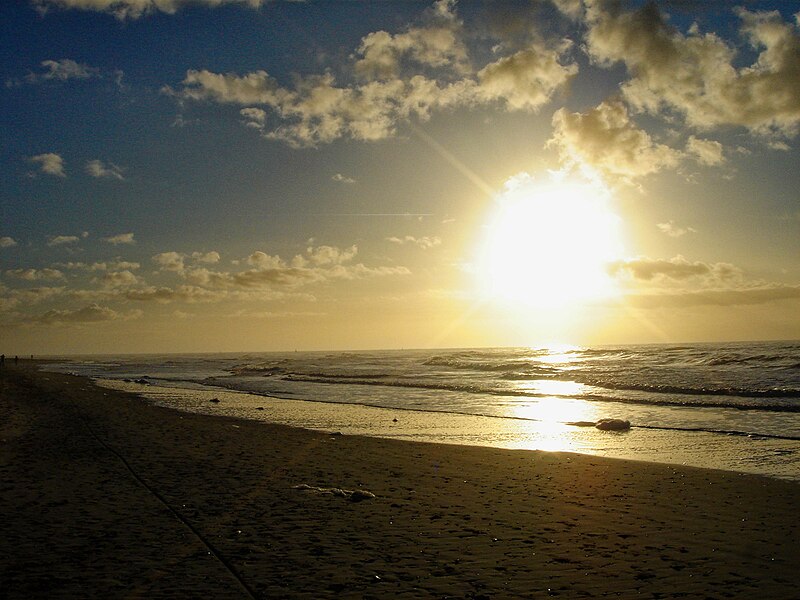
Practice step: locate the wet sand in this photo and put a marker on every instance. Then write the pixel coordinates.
(104, 495)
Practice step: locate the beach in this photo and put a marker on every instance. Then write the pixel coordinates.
(107, 495)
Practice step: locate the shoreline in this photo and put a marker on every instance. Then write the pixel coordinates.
(83, 469)
(733, 451)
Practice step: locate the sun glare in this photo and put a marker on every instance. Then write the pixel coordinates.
(548, 244)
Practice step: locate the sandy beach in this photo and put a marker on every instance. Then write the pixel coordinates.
(104, 495)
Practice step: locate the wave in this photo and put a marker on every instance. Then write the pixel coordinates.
(259, 369)
(658, 388)
(477, 389)
(740, 359)
(730, 432)
(515, 366)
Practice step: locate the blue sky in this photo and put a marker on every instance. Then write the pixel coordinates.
(201, 176)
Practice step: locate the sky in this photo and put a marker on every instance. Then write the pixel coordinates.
(255, 175)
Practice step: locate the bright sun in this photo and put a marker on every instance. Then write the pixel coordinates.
(548, 244)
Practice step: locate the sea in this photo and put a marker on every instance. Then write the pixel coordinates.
(731, 406)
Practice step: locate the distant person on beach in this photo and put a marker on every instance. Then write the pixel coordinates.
(16, 359)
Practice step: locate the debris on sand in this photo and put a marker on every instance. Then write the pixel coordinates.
(613, 425)
(352, 495)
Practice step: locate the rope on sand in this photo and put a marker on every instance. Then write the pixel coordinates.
(212, 550)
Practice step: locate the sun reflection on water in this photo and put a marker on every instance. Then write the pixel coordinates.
(545, 423)
(558, 354)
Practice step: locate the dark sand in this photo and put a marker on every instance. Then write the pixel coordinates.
(105, 496)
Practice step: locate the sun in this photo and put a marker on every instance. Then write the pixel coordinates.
(548, 244)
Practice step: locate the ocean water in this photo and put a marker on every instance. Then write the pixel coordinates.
(733, 406)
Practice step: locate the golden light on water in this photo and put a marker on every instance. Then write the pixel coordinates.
(548, 245)
(559, 354)
(543, 421)
(555, 410)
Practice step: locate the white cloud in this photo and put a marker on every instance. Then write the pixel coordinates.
(706, 152)
(398, 77)
(270, 272)
(7, 242)
(343, 178)
(206, 257)
(181, 293)
(96, 168)
(526, 80)
(262, 260)
(606, 140)
(62, 70)
(329, 255)
(671, 229)
(60, 240)
(762, 294)
(93, 313)
(169, 261)
(698, 75)
(436, 44)
(674, 269)
(49, 163)
(101, 266)
(120, 238)
(133, 9)
(571, 8)
(13, 298)
(679, 283)
(176, 261)
(35, 274)
(423, 242)
(118, 279)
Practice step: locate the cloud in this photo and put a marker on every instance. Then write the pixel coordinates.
(528, 79)
(93, 313)
(699, 75)
(423, 242)
(436, 44)
(318, 110)
(165, 295)
(97, 169)
(669, 228)
(35, 274)
(606, 140)
(62, 70)
(317, 264)
(674, 269)
(730, 297)
(120, 238)
(176, 261)
(101, 266)
(342, 178)
(118, 279)
(60, 240)
(251, 278)
(169, 261)
(262, 260)
(571, 8)
(397, 77)
(706, 152)
(133, 9)
(268, 314)
(329, 255)
(7, 242)
(10, 299)
(206, 257)
(49, 163)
